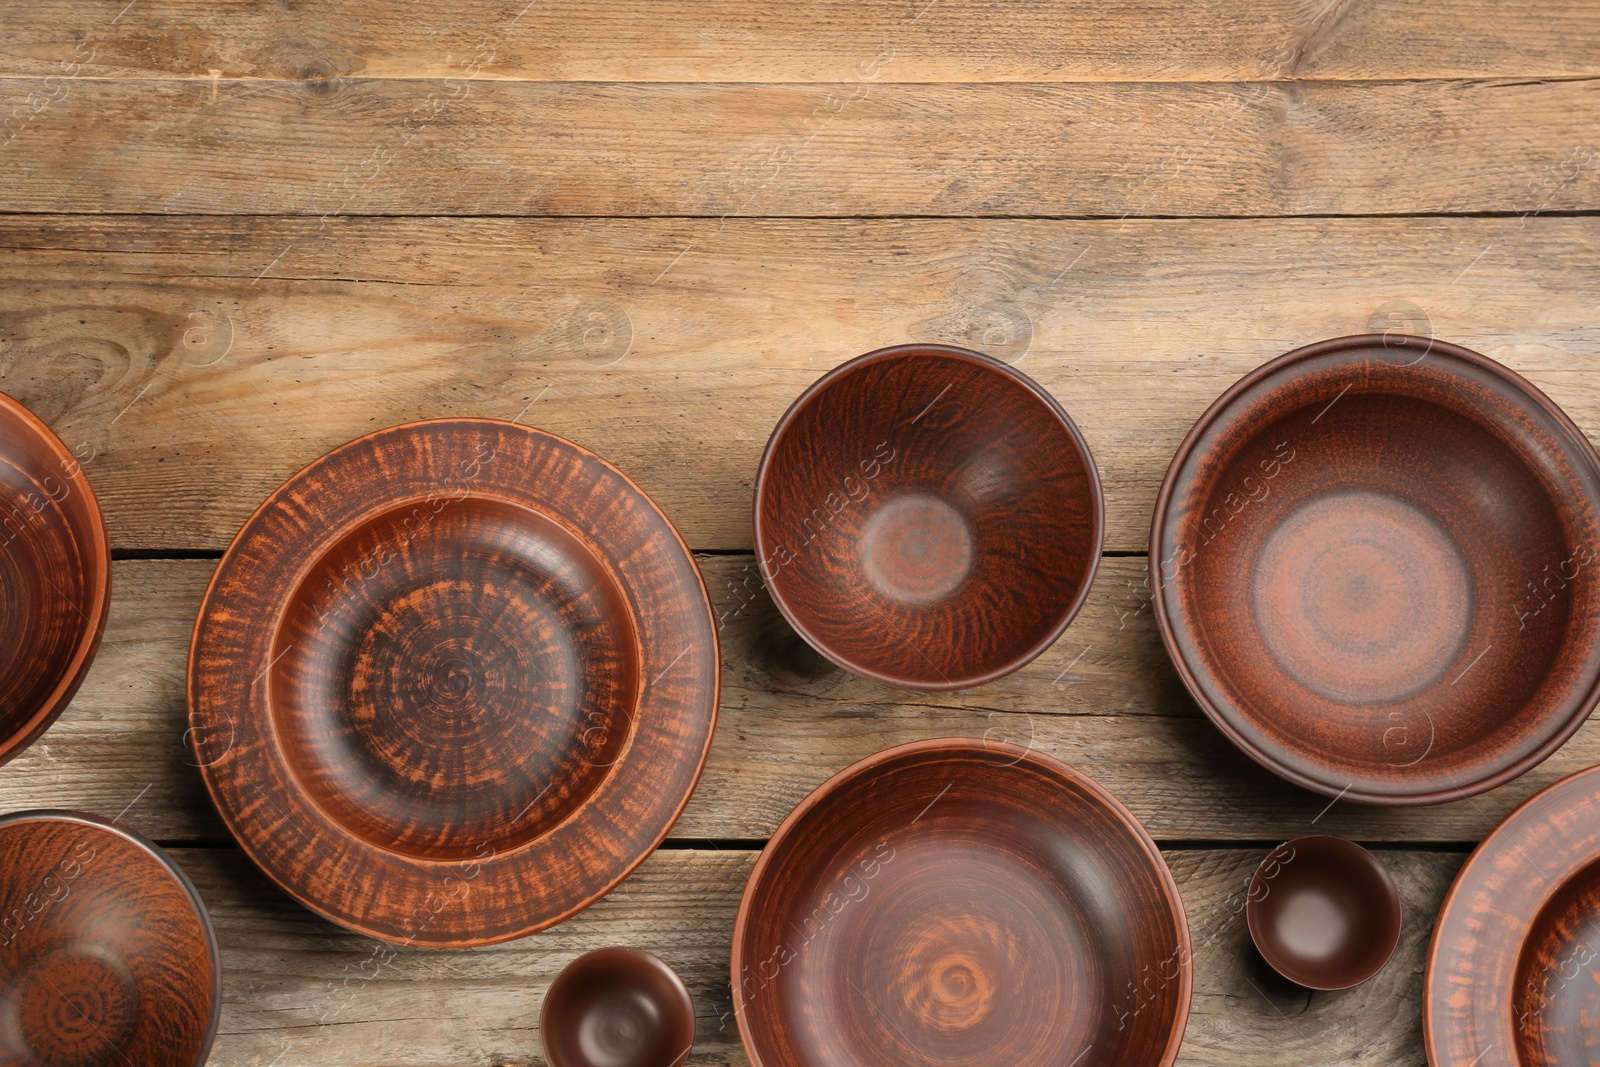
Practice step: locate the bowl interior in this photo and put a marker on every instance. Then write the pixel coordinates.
(1556, 997)
(52, 574)
(1324, 912)
(956, 908)
(617, 1007)
(1381, 575)
(454, 678)
(106, 957)
(928, 518)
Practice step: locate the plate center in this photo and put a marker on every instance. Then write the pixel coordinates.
(77, 1007)
(917, 549)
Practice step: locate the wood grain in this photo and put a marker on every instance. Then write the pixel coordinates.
(196, 379)
(733, 41)
(475, 146)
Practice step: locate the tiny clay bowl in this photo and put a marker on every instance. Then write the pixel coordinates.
(1323, 912)
(617, 1007)
(928, 517)
(453, 681)
(1376, 566)
(107, 953)
(55, 577)
(961, 902)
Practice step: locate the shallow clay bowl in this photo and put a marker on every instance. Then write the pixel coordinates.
(55, 577)
(107, 953)
(928, 517)
(617, 1007)
(453, 681)
(957, 902)
(1323, 912)
(1376, 565)
(1514, 968)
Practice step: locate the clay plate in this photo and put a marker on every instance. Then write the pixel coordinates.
(1512, 975)
(453, 681)
(957, 902)
(1374, 564)
(107, 952)
(617, 1007)
(55, 577)
(927, 517)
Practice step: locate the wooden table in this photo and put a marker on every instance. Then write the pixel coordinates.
(240, 233)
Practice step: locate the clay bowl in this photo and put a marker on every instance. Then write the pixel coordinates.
(1374, 563)
(453, 681)
(961, 902)
(1323, 912)
(1512, 972)
(107, 952)
(928, 517)
(617, 1007)
(55, 577)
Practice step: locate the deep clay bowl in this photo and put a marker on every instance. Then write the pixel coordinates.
(960, 902)
(1323, 912)
(55, 577)
(1513, 972)
(1374, 563)
(453, 681)
(107, 952)
(617, 1007)
(928, 517)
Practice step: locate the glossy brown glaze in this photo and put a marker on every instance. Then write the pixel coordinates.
(1514, 968)
(617, 1007)
(107, 956)
(928, 517)
(453, 681)
(1376, 565)
(55, 577)
(959, 902)
(1323, 912)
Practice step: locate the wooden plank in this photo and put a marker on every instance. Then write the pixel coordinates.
(1104, 699)
(484, 147)
(738, 41)
(198, 362)
(299, 992)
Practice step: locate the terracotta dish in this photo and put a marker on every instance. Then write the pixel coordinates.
(957, 902)
(453, 681)
(1323, 912)
(617, 1007)
(55, 577)
(107, 954)
(1512, 972)
(1376, 565)
(928, 517)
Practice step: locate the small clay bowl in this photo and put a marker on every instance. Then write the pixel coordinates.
(55, 577)
(617, 1007)
(961, 902)
(1323, 912)
(1375, 562)
(928, 517)
(108, 955)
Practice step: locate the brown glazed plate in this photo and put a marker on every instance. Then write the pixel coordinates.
(453, 681)
(959, 902)
(55, 577)
(1374, 563)
(108, 954)
(1512, 974)
(928, 517)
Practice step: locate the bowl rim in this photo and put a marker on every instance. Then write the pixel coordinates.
(160, 855)
(680, 991)
(98, 553)
(715, 696)
(1252, 909)
(988, 363)
(967, 746)
(1222, 713)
